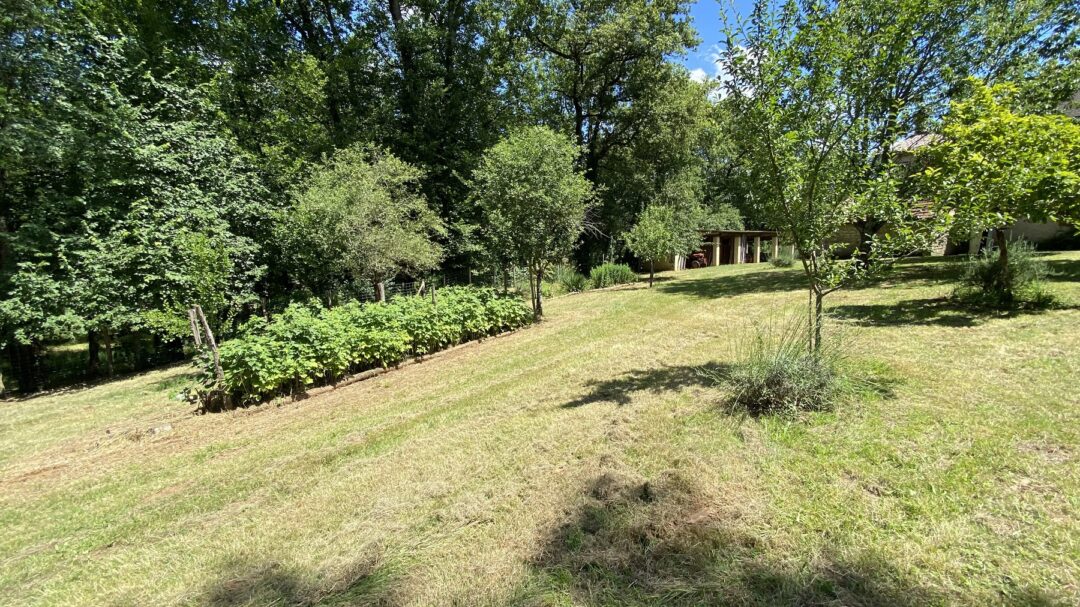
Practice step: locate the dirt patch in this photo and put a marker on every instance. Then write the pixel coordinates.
(1050, 453)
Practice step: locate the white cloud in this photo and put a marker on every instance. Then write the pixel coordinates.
(698, 75)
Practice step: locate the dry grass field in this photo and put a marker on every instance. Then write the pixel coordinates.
(583, 461)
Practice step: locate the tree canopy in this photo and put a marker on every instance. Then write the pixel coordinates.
(160, 154)
(533, 200)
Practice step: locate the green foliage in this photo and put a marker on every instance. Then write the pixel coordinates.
(783, 260)
(569, 279)
(778, 373)
(721, 216)
(307, 344)
(985, 283)
(361, 214)
(664, 231)
(611, 274)
(533, 200)
(996, 166)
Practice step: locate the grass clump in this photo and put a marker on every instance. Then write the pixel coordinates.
(783, 260)
(611, 274)
(569, 279)
(985, 283)
(778, 373)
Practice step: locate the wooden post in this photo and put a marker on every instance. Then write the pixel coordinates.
(195, 334)
(775, 247)
(736, 249)
(757, 249)
(213, 344)
(716, 250)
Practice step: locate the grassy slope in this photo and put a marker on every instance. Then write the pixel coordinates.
(583, 461)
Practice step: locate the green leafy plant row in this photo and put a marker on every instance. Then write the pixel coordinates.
(308, 344)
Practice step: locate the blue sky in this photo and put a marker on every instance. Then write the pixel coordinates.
(706, 14)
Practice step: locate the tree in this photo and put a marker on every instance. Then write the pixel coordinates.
(363, 214)
(995, 166)
(788, 88)
(661, 232)
(601, 72)
(533, 200)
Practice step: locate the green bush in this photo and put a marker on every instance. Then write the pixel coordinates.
(783, 260)
(985, 284)
(777, 373)
(611, 274)
(307, 344)
(569, 279)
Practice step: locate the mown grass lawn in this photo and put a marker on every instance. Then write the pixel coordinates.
(584, 461)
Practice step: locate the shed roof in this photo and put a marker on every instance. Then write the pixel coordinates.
(708, 233)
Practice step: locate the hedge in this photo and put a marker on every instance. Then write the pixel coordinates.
(309, 345)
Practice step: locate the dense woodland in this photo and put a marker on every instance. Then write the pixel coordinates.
(157, 154)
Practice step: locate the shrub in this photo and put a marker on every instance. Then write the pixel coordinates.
(611, 274)
(777, 372)
(569, 279)
(307, 344)
(984, 283)
(783, 260)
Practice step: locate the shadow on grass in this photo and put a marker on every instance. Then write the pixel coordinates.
(621, 390)
(762, 281)
(665, 541)
(938, 311)
(928, 312)
(271, 583)
(1063, 270)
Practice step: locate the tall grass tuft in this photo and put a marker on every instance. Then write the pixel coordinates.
(783, 260)
(569, 279)
(776, 372)
(611, 274)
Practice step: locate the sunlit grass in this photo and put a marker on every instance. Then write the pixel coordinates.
(586, 460)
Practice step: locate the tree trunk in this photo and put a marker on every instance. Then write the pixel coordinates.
(539, 294)
(24, 364)
(94, 352)
(819, 317)
(652, 266)
(108, 352)
(380, 291)
(1004, 274)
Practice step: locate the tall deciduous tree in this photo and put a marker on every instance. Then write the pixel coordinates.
(996, 166)
(600, 67)
(788, 89)
(533, 200)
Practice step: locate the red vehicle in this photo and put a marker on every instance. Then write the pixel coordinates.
(696, 260)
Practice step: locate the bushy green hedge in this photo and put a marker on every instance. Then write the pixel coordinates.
(307, 344)
(611, 274)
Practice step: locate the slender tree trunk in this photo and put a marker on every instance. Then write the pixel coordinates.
(539, 294)
(819, 318)
(109, 352)
(652, 266)
(94, 353)
(380, 291)
(1003, 264)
